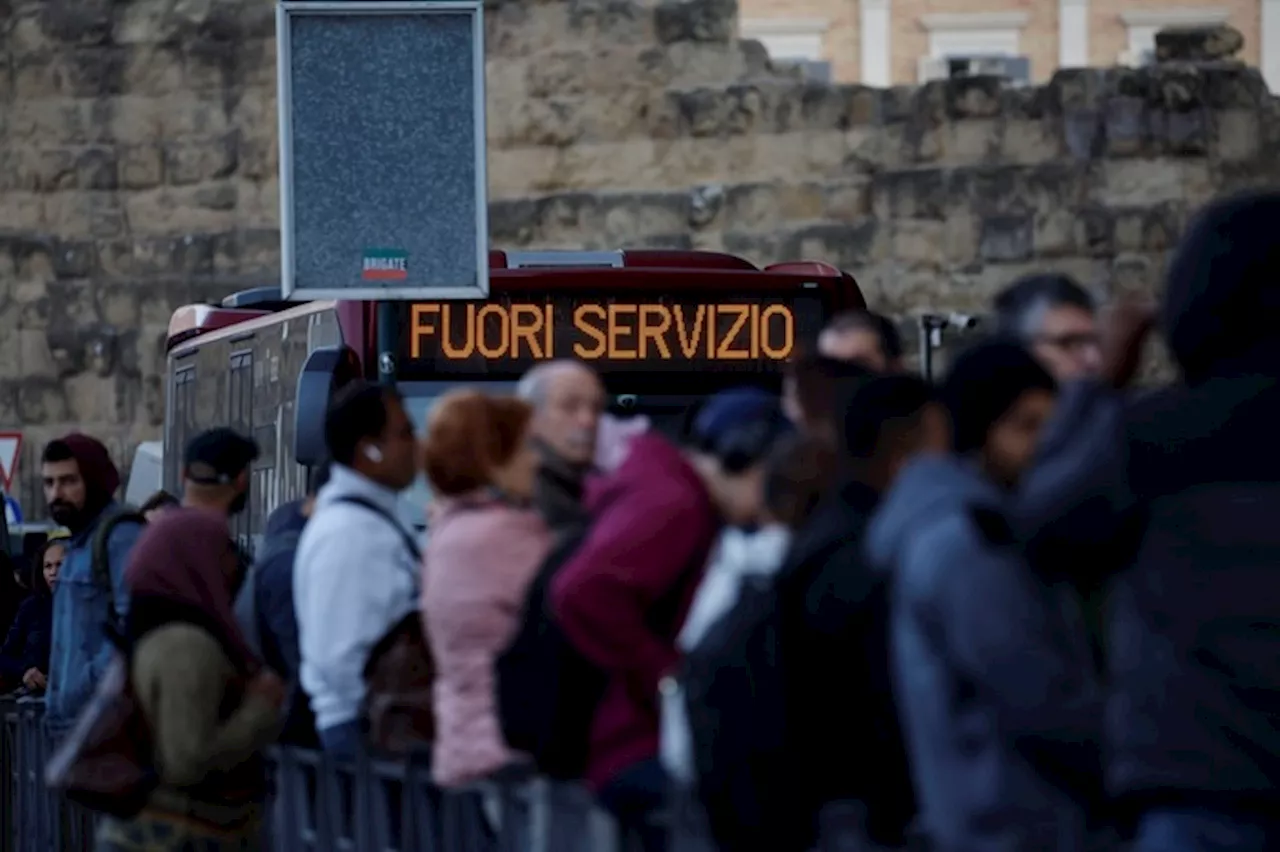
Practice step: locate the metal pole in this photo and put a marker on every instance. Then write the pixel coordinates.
(386, 340)
(926, 346)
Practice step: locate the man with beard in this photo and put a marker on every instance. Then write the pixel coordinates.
(79, 486)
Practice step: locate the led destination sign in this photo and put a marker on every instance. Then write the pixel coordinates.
(509, 335)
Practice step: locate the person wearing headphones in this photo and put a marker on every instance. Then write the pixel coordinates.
(623, 595)
(355, 575)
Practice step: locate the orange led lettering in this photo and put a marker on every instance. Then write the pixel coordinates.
(619, 331)
(654, 322)
(725, 351)
(689, 333)
(787, 335)
(501, 322)
(420, 326)
(618, 316)
(457, 353)
(526, 321)
(581, 324)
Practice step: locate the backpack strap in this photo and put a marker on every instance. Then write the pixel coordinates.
(409, 544)
(100, 564)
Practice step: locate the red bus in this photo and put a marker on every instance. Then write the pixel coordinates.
(663, 328)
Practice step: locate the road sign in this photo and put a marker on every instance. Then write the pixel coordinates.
(12, 512)
(10, 450)
(383, 191)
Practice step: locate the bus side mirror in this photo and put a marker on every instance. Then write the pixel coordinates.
(327, 369)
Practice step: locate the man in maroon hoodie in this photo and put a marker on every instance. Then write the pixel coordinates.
(623, 595)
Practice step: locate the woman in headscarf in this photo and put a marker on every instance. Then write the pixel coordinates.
(24, 659)
(210, 705)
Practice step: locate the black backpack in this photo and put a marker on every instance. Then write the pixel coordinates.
(735, 695)
(547, 691)
(738, 686)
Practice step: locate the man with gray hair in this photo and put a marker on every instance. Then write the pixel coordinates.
(568, 399)
(1054, 317)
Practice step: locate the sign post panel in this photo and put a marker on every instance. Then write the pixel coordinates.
(383, 187)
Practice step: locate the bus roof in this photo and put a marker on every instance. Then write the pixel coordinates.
(521, 271)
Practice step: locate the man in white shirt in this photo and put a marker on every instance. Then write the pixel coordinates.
(355, 576)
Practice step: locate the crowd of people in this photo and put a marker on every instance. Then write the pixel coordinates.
(1028, 608)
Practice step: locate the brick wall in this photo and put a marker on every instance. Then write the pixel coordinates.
(138, 172)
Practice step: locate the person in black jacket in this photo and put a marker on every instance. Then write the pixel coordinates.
(841, 720)
(24, 657)
(1187, 479)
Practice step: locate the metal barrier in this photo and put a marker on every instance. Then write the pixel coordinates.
(321, 805)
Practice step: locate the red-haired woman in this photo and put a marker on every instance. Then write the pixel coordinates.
(486, 545)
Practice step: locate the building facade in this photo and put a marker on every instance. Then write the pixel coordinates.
(899, 42)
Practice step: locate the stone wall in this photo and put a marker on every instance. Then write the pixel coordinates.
(138, 172)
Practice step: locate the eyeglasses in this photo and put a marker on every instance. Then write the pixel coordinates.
(1072, 342)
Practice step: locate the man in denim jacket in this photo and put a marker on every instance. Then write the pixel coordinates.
(79, 486)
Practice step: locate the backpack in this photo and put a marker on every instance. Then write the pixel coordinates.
(100, 565)
(246, 604)
(400, 672)
(547, 692)
(737, 687)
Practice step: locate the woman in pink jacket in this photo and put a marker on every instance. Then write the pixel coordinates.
(486, 544)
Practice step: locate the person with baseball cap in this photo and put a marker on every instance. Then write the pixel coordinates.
(215, 471)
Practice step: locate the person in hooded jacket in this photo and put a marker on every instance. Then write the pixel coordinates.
(794, 475)
(79, 486)
(844, 745)
(622, 596)
(210, 705)
(981, 649)
(24, 658)
(1175, 495)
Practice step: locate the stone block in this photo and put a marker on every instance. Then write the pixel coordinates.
(1148, 229)
(847, 247)
(191, 162)
(152, 70)
(913, 194)
(695, 20)
(847, 199)
(1198, 44)
(973, 97)
(918, 243)
(1237, 135)
(97, 168)
(1131, 183)
(1125, 121)
(1006, 239)
(1055, 233)
(140, 166)
(1029, 141)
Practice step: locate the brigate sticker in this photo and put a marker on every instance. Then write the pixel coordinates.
(381, 264)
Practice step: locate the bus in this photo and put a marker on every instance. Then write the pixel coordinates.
(662, 328)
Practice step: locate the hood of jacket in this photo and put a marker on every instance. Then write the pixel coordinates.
(753, 552)
(925, 489)
(1222, 302)
(653, 462)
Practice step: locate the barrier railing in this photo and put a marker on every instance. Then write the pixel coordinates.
(321, 805)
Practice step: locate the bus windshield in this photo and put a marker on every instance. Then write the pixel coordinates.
(418, 399)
